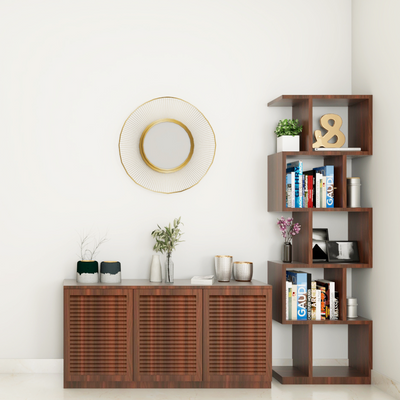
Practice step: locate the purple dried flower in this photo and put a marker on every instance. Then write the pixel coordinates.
(288, 228)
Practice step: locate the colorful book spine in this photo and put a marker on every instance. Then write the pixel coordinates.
(310, 186)
(323, 192)
(318, 304)
(318, 177)
(323, 301)
(335, 313)
(293, 175)
(328, 172)
(297, 168)
(313, 301)
(309, 297)
(330, 295)
(299, 279)
(290, 304)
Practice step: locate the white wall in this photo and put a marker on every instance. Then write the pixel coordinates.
(376, 66)
(70, 74)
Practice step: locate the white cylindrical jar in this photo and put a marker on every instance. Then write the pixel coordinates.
(352, 307)
(353, 192)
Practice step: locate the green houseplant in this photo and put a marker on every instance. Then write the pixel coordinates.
(287, 132)
(166, 241)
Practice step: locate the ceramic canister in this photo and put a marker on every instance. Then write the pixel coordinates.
(87, 271)
(110, 272)
(223, 268)
(243, 271)
(155, 269)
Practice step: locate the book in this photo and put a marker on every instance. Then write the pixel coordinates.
(290, 303)
(288, 287)
(323, 192)
(328, 172)
(330, 295)
(313, 301)
(289, 190)
(335, 308)
(297, 168)
(311, 187)
(318, 177)
(202, 280)
(338, 149)
(299, 278)
(305, 191)
(322, 290)
(318, 304)
(309, 317)
(294, 302)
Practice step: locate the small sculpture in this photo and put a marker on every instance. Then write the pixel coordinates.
(333, 130)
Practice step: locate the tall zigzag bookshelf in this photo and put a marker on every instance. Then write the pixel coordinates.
(359, 229)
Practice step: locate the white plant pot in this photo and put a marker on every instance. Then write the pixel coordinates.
(287, 143)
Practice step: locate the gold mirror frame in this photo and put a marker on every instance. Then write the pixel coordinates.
(143, 154)
(186, 175)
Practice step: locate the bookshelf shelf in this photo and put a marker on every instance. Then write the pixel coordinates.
(359, 230)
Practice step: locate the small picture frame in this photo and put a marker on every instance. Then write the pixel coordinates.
(319, 238)
(340, 251)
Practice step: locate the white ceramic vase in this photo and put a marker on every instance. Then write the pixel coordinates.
(287, 143)
(155, 269)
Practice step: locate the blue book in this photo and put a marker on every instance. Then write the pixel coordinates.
(300, 279)
(297, 168)
(327, 171)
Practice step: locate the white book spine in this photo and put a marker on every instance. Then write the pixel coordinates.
(301, 190)
(288, 285)
(293, 190)
(332, 300)
(317, 190)
(324, 192)
(318, 313)
(294, 302)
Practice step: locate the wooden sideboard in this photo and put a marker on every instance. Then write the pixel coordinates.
(139, 334)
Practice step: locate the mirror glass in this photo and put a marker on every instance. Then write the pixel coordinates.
(166, 145)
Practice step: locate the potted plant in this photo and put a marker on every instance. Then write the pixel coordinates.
(287, 132)
(88, 268)
(288, 229)
(166, 241)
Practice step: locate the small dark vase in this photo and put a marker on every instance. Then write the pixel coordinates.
(87, 271)
(110, 272)
(287, 252)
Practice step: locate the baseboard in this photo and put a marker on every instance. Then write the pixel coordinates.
(318, 362)
(387, 385)
(31, 366)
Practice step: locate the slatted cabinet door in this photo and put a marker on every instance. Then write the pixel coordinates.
(237, 337)
(97, 336)
(168, 335)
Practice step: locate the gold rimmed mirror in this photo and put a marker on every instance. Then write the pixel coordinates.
(166, 145)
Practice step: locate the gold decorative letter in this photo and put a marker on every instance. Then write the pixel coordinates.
(333, 130)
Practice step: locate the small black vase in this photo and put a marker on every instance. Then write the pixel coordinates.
(287, 253)
(110, 272)
(87, 271)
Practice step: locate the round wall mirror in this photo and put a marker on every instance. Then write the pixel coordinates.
(166, 145)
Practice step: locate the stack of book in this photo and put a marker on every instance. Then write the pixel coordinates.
(310, 300)
(309, 189)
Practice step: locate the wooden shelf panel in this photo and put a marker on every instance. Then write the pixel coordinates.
(297, 265)
(335, 209)
(344, 100)
(321, 375)
(353, 321)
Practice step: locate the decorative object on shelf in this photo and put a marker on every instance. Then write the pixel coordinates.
(167, 145)
(242, 271)
(110, 272)
(87, 268)
(202, 280)
(87, 271)
(319, 238)
(223, 268)
(155, 269)
(353, 192)
(287, 132)
(288, 229)
(352, 307)
(342, 251)
(166, 241)
(332, 131)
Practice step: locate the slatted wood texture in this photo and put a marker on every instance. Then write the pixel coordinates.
(98, 335)
(168, 335)
(237, 339)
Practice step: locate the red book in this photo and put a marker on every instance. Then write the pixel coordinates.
(310, 191)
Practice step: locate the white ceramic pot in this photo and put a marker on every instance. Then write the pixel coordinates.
(155, 269)
(288, 143)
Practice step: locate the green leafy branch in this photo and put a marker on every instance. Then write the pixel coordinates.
(288, 127)
(168, 238)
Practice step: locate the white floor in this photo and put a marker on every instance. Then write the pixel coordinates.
(49, 387)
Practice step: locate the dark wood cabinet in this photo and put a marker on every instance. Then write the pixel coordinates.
(139, 334)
